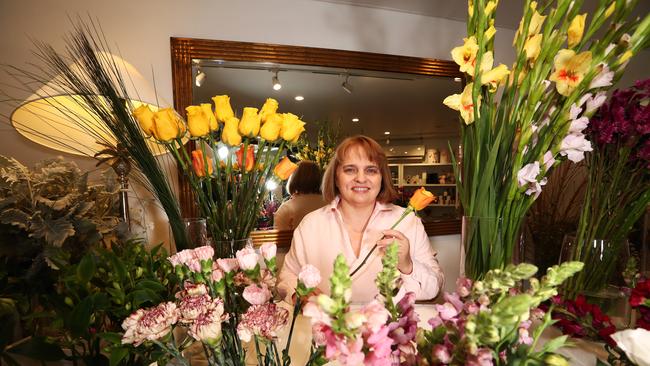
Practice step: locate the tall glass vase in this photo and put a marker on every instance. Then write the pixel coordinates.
(228, 248)
(196, 232)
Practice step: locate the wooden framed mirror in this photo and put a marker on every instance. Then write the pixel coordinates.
(186, 52)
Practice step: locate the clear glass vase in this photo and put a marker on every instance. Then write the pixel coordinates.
(228, 248)
(196, 231)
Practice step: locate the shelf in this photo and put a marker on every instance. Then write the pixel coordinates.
(426, 164)
(427, 185)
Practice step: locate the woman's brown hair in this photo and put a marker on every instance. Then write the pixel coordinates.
(306, 179)
(374, 153)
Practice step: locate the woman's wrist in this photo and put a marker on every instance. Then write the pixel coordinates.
(406, 268)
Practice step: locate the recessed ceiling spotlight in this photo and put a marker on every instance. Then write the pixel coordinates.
(355, 120)
(457, 79)
(299, 98)
(387, 133)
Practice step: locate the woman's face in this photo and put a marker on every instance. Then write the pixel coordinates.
(358, 179)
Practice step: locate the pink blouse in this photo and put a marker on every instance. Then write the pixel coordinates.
(321, 236)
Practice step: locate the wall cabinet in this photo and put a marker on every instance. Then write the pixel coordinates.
(437, 178)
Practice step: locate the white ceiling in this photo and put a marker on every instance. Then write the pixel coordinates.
(409, 108)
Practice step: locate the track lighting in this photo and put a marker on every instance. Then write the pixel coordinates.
(200, 77)
(346, 86)
(276, 81)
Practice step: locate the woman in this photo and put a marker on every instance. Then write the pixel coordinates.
(304, 187)
(357, 182)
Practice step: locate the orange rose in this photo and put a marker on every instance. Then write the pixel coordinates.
(285, 168)
(197, 163)
(420, 199)
(250, 157)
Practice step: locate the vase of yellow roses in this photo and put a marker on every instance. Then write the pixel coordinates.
(232, 161)
(511, 138)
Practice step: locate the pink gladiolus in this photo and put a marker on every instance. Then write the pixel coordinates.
(309, 276)
(228, 264)
(256, 295)
(149, 324)
(247, 258)
(549, 160)
(268, 251)
(604, 77)
(574, 147)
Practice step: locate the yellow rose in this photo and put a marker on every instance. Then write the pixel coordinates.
(222, 108)
(285, 168)
(207, 109)
(197, 121)
(270, 107)
(166, 125)
(292, 127)
(420, 199)
(230, 135)
(576, 29)
(465, 55)
(270, 130)
(495, 76)
(250, 122)
(144, 115)
(464, 103)
(533, 46)
(569, 70)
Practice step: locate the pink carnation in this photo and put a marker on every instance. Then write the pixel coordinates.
(217, 273)
(204, 253)
(247, 258)
(182, 257)
(228, 264)
(192, 289)
(256, 295)
(268, 251)
(262, 320)
(190, 307)
(149, 324)
(207, 325)
(309, 276)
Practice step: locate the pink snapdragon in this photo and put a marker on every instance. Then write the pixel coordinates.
(441, 354)
(149, 324)
(376, 315)
(463, 286)
(256, 295)
(247, 258)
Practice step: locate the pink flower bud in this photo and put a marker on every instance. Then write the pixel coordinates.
(247, 258)
(268, 251)
(256, 295)
(309, 276)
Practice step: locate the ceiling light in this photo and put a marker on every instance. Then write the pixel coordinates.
(271, 185)
(457, 79)
(355, 120)
(387, 133)
(276, 81)
(200, 77)
(299, 98)
(346, 86)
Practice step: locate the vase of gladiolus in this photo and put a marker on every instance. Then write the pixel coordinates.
(232, 161)
(511, 138)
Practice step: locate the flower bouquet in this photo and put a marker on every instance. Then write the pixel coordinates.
(228, 192)
(221, 303)
(640, 300)
(618, 187)
(512, 138)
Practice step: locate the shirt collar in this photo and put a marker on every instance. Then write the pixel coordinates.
(378, 205)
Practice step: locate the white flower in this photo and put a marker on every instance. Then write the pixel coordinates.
(309, 276)
(574, 147)
(268, 251)
(577, 125)
(549, 160)
(594, 103)
(634, 342)
(149, 324)
(574, 111)
(583, 99)
(604, 77)
(247, 258)
(536, 187)
(528, 174)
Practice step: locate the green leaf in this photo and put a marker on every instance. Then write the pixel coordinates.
(117, 355)
(554, 344)
(80, 317)
(115, 338)
(15, 217)
(86, 268)
(38, 348)
(55, 231)
(150, 285)
(118, 266)
(144, 296)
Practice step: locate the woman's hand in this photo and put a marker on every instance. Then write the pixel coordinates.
(404, 262)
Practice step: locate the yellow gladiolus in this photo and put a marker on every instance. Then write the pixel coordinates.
(197, 121)
(535, 25)
(250, 122)
(292, 127)
(576, 29)
(610, 9)
(489, 7)
(625, 56)
(222, 108)
(470, 8)
(285, 168)
(144, 115)
(230, 134)
(166, 125)
(269, 108)
(212, 119)
(463, 103)
(495, 76)
(420, 199)
(533, 46)
(465, 55)
(489, 33)
(570, 69)
(270, 130)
